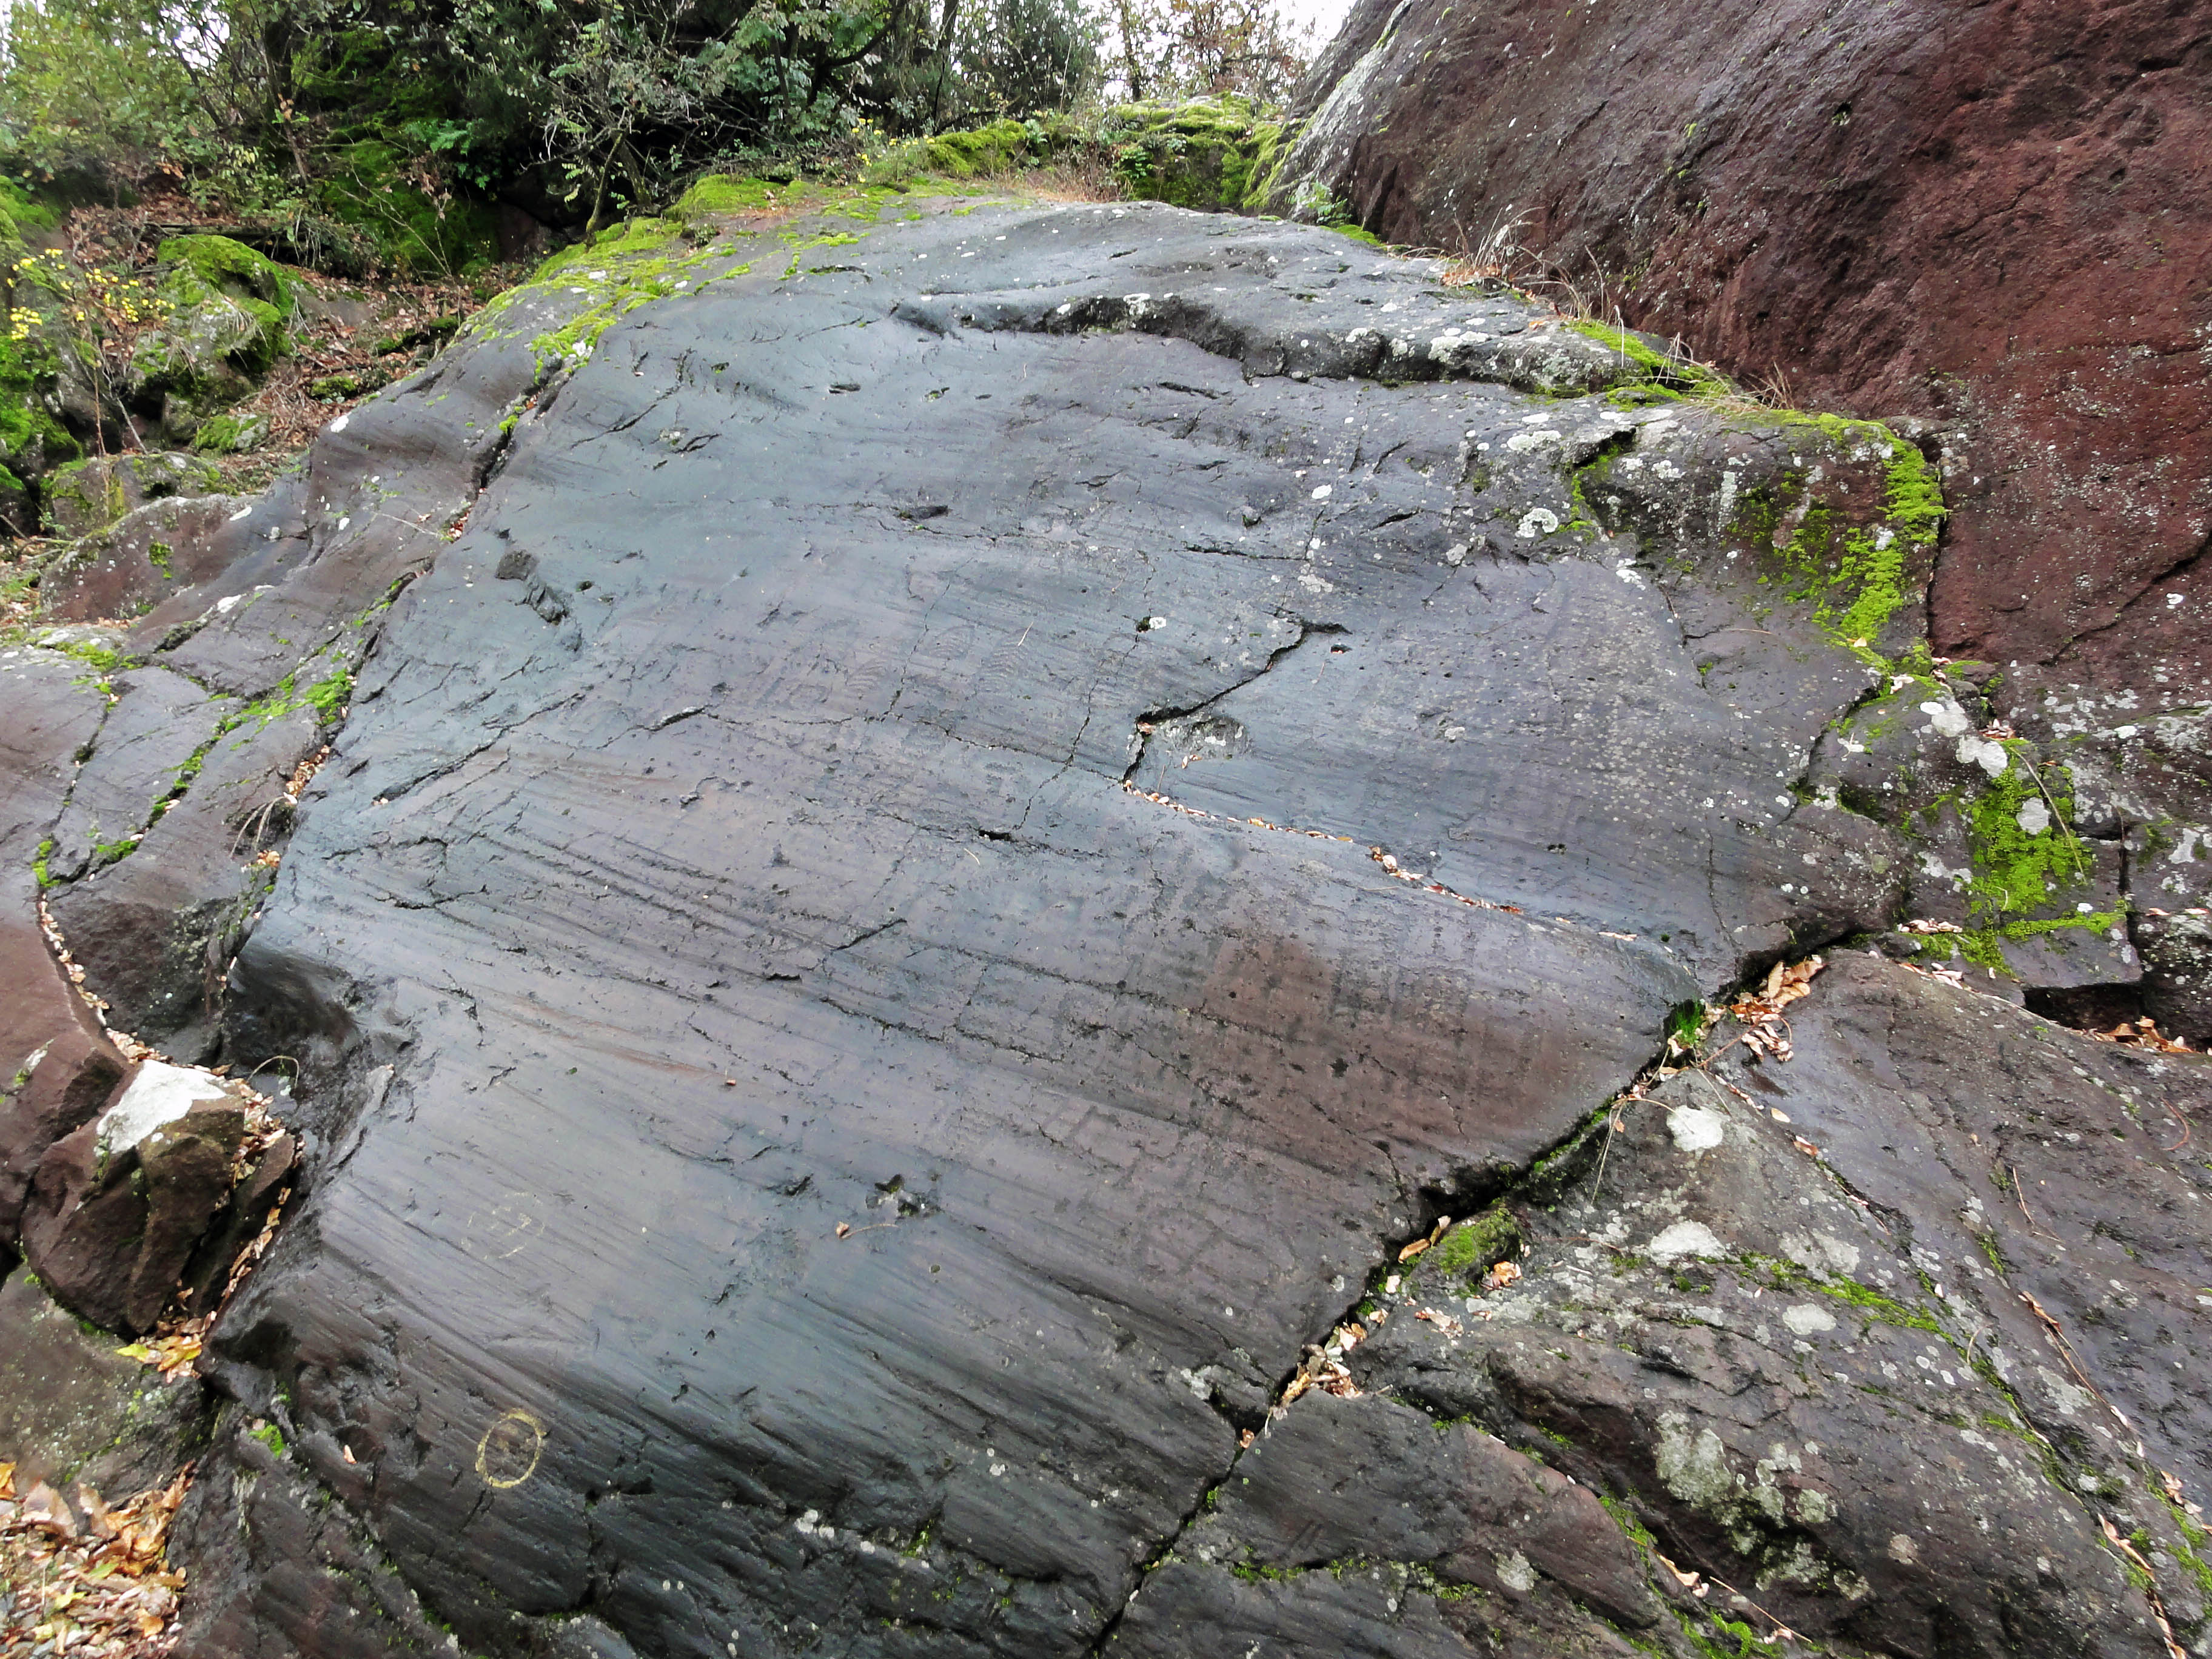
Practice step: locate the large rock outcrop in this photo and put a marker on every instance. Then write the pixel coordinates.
(963, 825)
(1995, 218)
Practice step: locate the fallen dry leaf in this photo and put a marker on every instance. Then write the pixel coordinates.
(100, 1589)
(43, 1508)
(2142, 1034)
(1766, 1033)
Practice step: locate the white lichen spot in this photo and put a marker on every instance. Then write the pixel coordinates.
(1990, 756)
(1538, 521)
(1902, 1548)
(1685, 1239)
(1807, 1317)
(1514, 1573)
(1521, 443)
(1693, 1466)
(1948, 718)
(159, 1093)
(1696, 1128)
(2034, 817)
(1821, 1252)
(2071, 1401)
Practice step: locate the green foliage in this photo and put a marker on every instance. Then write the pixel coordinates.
(352, 132)
(1023, 58)
(1217, 153)
(97, 91)
(1179, 49)
(269, 1435)
(373, 189)
(31, 439)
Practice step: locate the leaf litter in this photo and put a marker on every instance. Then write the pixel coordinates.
(91, 1579)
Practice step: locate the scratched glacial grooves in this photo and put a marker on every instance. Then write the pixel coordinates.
(728, 845)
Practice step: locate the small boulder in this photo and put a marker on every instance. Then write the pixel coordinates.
(227, 310)
(118, 1206)
(32, 435)
(237, 1224)
(93, 494)
(232, 434)
(348, 385)
(56, 1086)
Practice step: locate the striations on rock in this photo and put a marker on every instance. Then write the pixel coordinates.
(959, 977)
(1993, 219)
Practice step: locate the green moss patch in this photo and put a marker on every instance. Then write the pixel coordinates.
(223, 266)
(31, 439)
(19, 213)
(2017, 870)
(622, 269)
(983, 153)
(1853, 576)
(1473, 1246)
(1659, 372)
(726, 193)
(1215, 153)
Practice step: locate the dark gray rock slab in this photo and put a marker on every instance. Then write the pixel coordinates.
(277, 1554)
(245, 620)
(133, 566)
(944, 844)
(832, 1137)
(158, 722)
(156, 930)
(1796, 1320)
(2031, 1169)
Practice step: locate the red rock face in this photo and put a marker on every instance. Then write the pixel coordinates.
(1998, 216)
